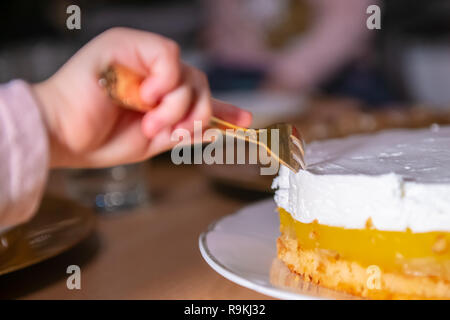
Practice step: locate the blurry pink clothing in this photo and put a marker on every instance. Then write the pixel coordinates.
(23, 153)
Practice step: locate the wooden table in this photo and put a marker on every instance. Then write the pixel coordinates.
(146, 253)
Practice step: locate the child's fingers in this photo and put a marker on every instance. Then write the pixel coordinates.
(172, 109)
(201, 109)
(231, 113)
(165, 69)
(150, 55)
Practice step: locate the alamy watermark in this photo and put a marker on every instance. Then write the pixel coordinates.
(373, 22)
(237, 150)
(73, 281)
(373, 281)
(73, 21)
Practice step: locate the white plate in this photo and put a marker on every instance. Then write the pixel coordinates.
(242, 248)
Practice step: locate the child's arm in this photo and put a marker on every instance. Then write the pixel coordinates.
(23, 153)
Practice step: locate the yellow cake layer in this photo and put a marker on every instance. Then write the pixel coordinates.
(418, 254)
(318, 267)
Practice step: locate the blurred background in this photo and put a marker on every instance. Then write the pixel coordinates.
(296, 45)
(313, 62)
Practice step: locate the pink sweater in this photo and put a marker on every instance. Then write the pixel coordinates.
(23, 153)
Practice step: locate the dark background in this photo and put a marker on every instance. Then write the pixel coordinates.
(35, 42)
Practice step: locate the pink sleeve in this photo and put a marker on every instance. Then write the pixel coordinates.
(23, 153)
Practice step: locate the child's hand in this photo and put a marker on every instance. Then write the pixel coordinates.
(87, 130)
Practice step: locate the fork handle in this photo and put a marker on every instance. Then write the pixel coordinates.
(223, 125)
(237, 132)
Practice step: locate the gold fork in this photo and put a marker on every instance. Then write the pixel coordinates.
(290, 150)
(122, 85)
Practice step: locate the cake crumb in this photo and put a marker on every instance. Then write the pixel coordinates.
(441, 245)
(369, 224)
(313, 235)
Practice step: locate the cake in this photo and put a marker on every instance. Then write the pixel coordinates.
(371, 214)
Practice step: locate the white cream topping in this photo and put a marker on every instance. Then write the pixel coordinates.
(398, 178)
